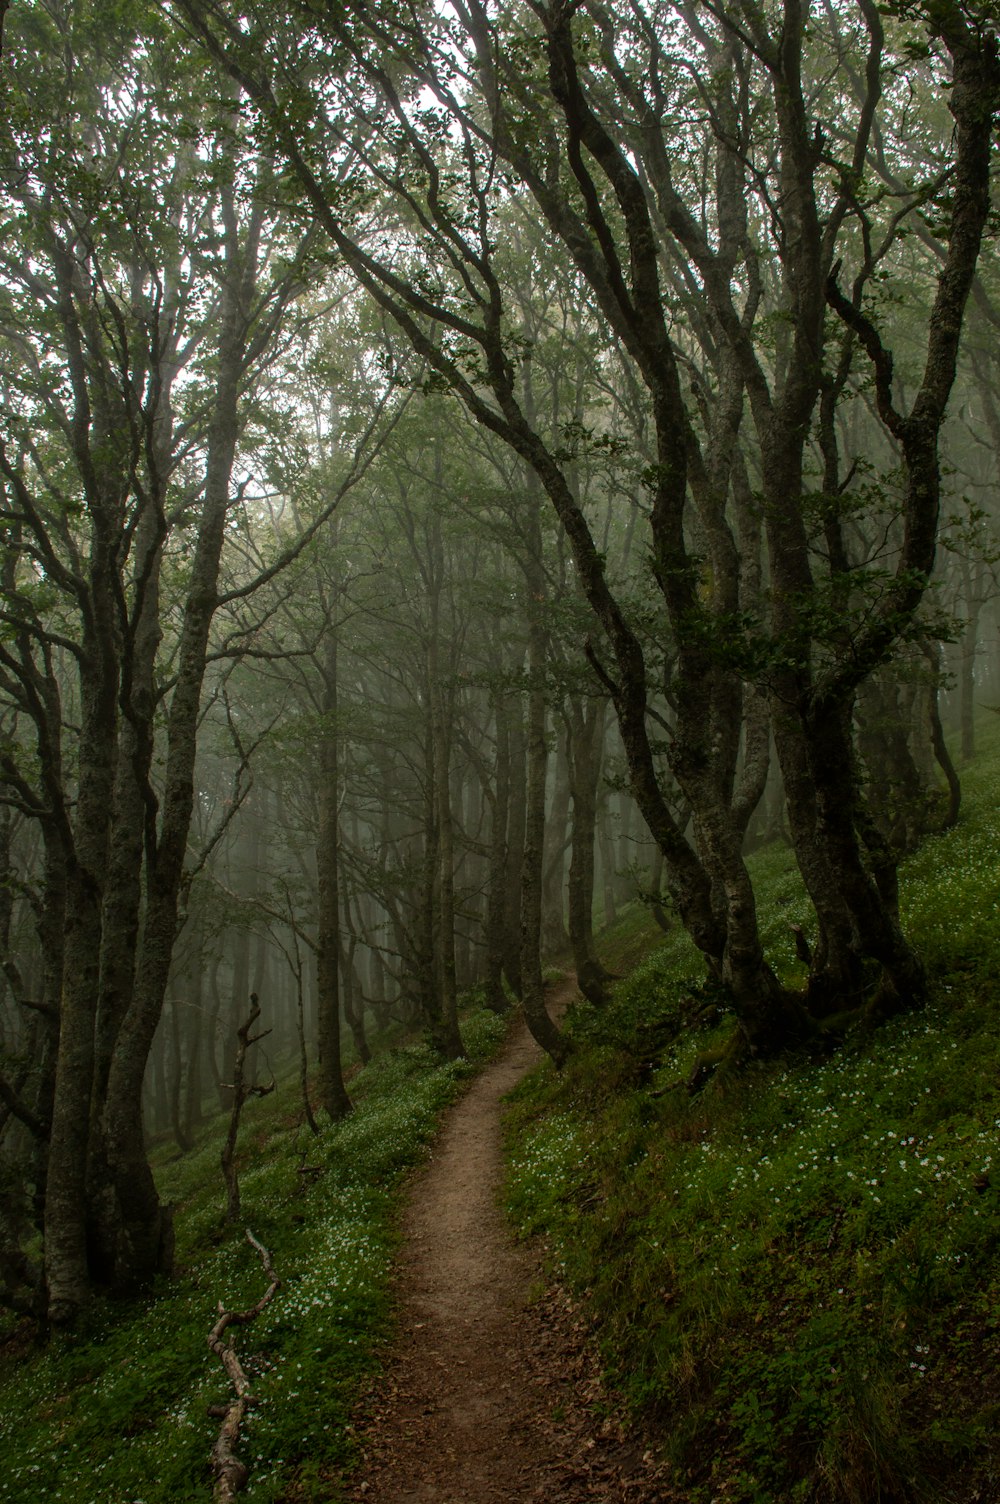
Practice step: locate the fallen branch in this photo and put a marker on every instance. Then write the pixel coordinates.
(230, 1473)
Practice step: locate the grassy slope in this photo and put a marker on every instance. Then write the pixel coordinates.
(117, 1412)
(796, 1274)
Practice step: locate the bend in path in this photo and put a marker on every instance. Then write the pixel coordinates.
(488, 1394)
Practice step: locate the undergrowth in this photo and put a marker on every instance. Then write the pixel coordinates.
(117, 1411)
(795, 1274)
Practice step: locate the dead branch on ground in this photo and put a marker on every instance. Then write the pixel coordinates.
(229, 1472)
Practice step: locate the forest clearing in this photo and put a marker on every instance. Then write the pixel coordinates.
(499, 497)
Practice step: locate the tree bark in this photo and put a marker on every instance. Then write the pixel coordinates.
(496, 898)
(333, 1096)
(586, 721)
(543, 1029)
(145, 1231)
(441, 710)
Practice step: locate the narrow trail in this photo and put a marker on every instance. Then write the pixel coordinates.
(488, 1393)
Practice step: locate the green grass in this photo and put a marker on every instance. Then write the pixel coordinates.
(117, 1411)
(795, 1275)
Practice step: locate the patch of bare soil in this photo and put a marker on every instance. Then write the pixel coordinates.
(492, 1391)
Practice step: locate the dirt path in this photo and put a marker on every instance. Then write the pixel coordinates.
(489, 1392)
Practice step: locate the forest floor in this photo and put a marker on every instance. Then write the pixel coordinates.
(492, 1390)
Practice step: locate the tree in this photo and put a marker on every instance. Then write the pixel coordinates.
(150, 291)
(585, 111)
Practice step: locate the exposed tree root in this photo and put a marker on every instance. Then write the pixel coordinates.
(229, 1472)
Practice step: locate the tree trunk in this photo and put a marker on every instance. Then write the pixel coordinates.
(354, 1007)
(441, 732)
(555, 936)
(67, 1269)
(145, 1232)
(607, 850)
(516, 829)
(176, 1076)
(585, 742)
(191, 1110)
(969, 650)
(496, 893)
(333, 1095)
(539, 1021)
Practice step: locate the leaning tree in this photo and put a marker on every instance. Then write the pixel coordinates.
(723, 150)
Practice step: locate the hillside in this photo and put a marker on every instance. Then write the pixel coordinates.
(118, 1410)
(794, 1271)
